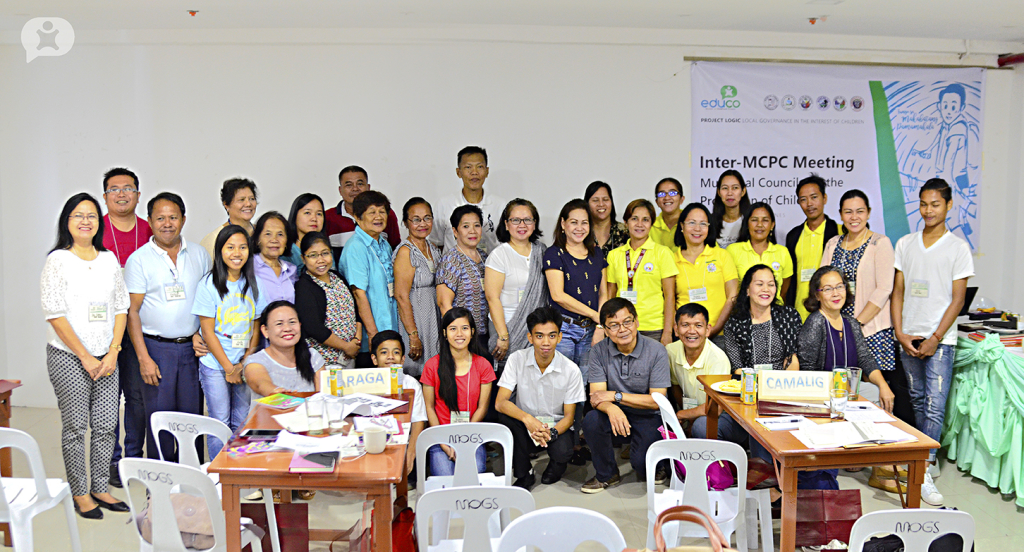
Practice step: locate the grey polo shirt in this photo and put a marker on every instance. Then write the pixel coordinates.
(638, 372)
(542, 394)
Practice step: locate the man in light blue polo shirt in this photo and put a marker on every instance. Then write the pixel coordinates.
(365, 262)
(162, 277)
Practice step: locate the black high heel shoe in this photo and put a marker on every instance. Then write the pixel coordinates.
(95, 513)
(112, 506)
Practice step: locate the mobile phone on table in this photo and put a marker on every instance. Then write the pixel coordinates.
(260, 434)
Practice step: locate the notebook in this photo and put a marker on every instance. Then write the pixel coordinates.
(314, 462)
(281, 401)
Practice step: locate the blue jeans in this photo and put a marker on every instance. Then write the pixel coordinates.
(135, 425)
(178, 391)
(440, 464)
(575, 345)
(227, 402)
(928, 381)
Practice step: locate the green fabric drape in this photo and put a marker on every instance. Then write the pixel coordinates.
(984, 427)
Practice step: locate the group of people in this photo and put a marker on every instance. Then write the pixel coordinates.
(578, 335)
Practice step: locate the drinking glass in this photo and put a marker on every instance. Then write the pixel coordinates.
(315, 415)
(837, 403)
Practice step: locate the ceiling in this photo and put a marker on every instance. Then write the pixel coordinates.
(991, 20)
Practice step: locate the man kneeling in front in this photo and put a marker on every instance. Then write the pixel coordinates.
(625, 371)
(548, 385)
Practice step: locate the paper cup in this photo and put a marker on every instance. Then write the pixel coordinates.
(375, 438)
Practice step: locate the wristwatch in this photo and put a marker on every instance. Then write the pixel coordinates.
(618, 397)
(554, 434)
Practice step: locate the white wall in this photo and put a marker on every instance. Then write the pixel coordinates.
(187, 111)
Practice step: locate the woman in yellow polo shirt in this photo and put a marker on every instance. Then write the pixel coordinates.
(668, 194)
(757, 245)
(644, 272)
(707, 274)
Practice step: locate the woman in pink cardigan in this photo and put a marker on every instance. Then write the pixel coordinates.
(867, 259)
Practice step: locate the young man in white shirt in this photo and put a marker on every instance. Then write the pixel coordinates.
(693, 355)
(387, 349)
(472, 169)
(932, 268)
(548, 387)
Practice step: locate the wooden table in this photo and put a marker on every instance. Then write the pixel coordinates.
(791, 456)
(373, 474)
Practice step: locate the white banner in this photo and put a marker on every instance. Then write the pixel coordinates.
(883, 130)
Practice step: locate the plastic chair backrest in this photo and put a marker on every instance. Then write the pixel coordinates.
(668, 415)
(475, 505)
(696, 455)
(464, 438)
(547, 530)
(15, 438)
(917, 528)
(160, 478)
(186, 428)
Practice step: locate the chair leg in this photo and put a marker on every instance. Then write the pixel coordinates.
(650, 536)
(69, 513)
(21, 532)
(751, 514)
(275, 539)
(764, 513)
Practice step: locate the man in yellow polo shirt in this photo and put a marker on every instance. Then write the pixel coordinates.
(806, 242)
(693, 355)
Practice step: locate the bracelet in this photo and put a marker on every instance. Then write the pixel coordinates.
(415, 332)
(936, 336)
(502, 337)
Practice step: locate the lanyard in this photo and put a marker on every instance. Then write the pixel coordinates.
(115, 230)
(630, 272)
(703, 284)
(771, 332)
(846, 351)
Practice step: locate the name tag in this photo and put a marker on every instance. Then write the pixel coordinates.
(460, 417)
(853, 288)
(699, 294)
(174, 292)
(759, 367)
(805, 274)
(97, 312)
(391, 289)
(240, 341)
(689, 403)
(548, 421)
(629, 296)
(522, 292)
(919, 288)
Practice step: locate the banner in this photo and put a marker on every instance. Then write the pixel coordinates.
(883, 130)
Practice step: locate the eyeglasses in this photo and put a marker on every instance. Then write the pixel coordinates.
(670, 193)
(417, 220)
(115, 191)
(315, 256)
(694, 224)
(615, 326)
(79, 217)
(828, 290)
(518, 221)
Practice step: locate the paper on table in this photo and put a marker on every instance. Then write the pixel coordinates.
(864, 411)
(845, 434)
(294, 421)
(366, 405)
(389, 423)
(782, 423)
(306, 445)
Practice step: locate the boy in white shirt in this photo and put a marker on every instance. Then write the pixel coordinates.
(932, 268)
(386, 350)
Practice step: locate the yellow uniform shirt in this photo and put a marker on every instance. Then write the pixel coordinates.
(712, 361)
(704, 281)
(776, 256)
(662, 234)
(809, 249)
(656, 264)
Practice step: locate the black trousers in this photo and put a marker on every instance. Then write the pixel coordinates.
(559, 450)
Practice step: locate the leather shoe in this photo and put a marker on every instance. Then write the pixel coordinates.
(95, 513)
(553, 473)
(527, 482)
(580, 457)
(112, 506)
(115, 477)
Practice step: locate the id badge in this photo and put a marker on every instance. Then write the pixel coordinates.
(97, 312)
(174, 292)
(689, 403)
(699, 294)
(759, 367)
(548, 421)
(522, 292)
(805, 274)
(853, 288)
(629, 296)
(391, 289)
(919, 288)
(240, 341)
(460, 417)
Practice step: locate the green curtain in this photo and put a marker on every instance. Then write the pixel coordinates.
(984, 428)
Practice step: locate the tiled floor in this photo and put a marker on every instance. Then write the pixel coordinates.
(1000, 525)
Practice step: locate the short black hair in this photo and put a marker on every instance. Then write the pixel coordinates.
(676, 183)
(813, 179)
(386, 335)
(939, 185)
(311, 239)
(367, 199)
(119, 171)
(231, 187)
(414, 201)
(955, 88)
(592, 189)
(353, 169)
(612, 306)
(293, 214)
(680, 239)
(463, 210)
(470, 150)
(745, 226)
(693, 309)
(64, 238)
(638, 204)
(504, 235)
(165, 196)
(544, 315)
(254, 239)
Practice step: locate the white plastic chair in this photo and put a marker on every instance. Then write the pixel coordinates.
(22, 499)
(546, 530)
(477, 506)
(726, 507)
(186, 428)
(917, 528)
(161, 480)
(759, 501)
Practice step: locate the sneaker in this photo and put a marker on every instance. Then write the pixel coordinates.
(526, 482)
(256, 495)
(625, 453)
(553, 473)
(115, 477)
(933, 470)
(595, 486)
(929, 493)
(661, 475)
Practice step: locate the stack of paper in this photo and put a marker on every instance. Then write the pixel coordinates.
(865, 411)
(306, 445)
(784, 423)
(850, 434)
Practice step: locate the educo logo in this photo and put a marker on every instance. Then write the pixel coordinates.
(729, 99)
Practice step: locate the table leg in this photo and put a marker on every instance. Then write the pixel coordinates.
(788, 531)
(382, 518)
(232, 516)
(714, 410)
(915, 478)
